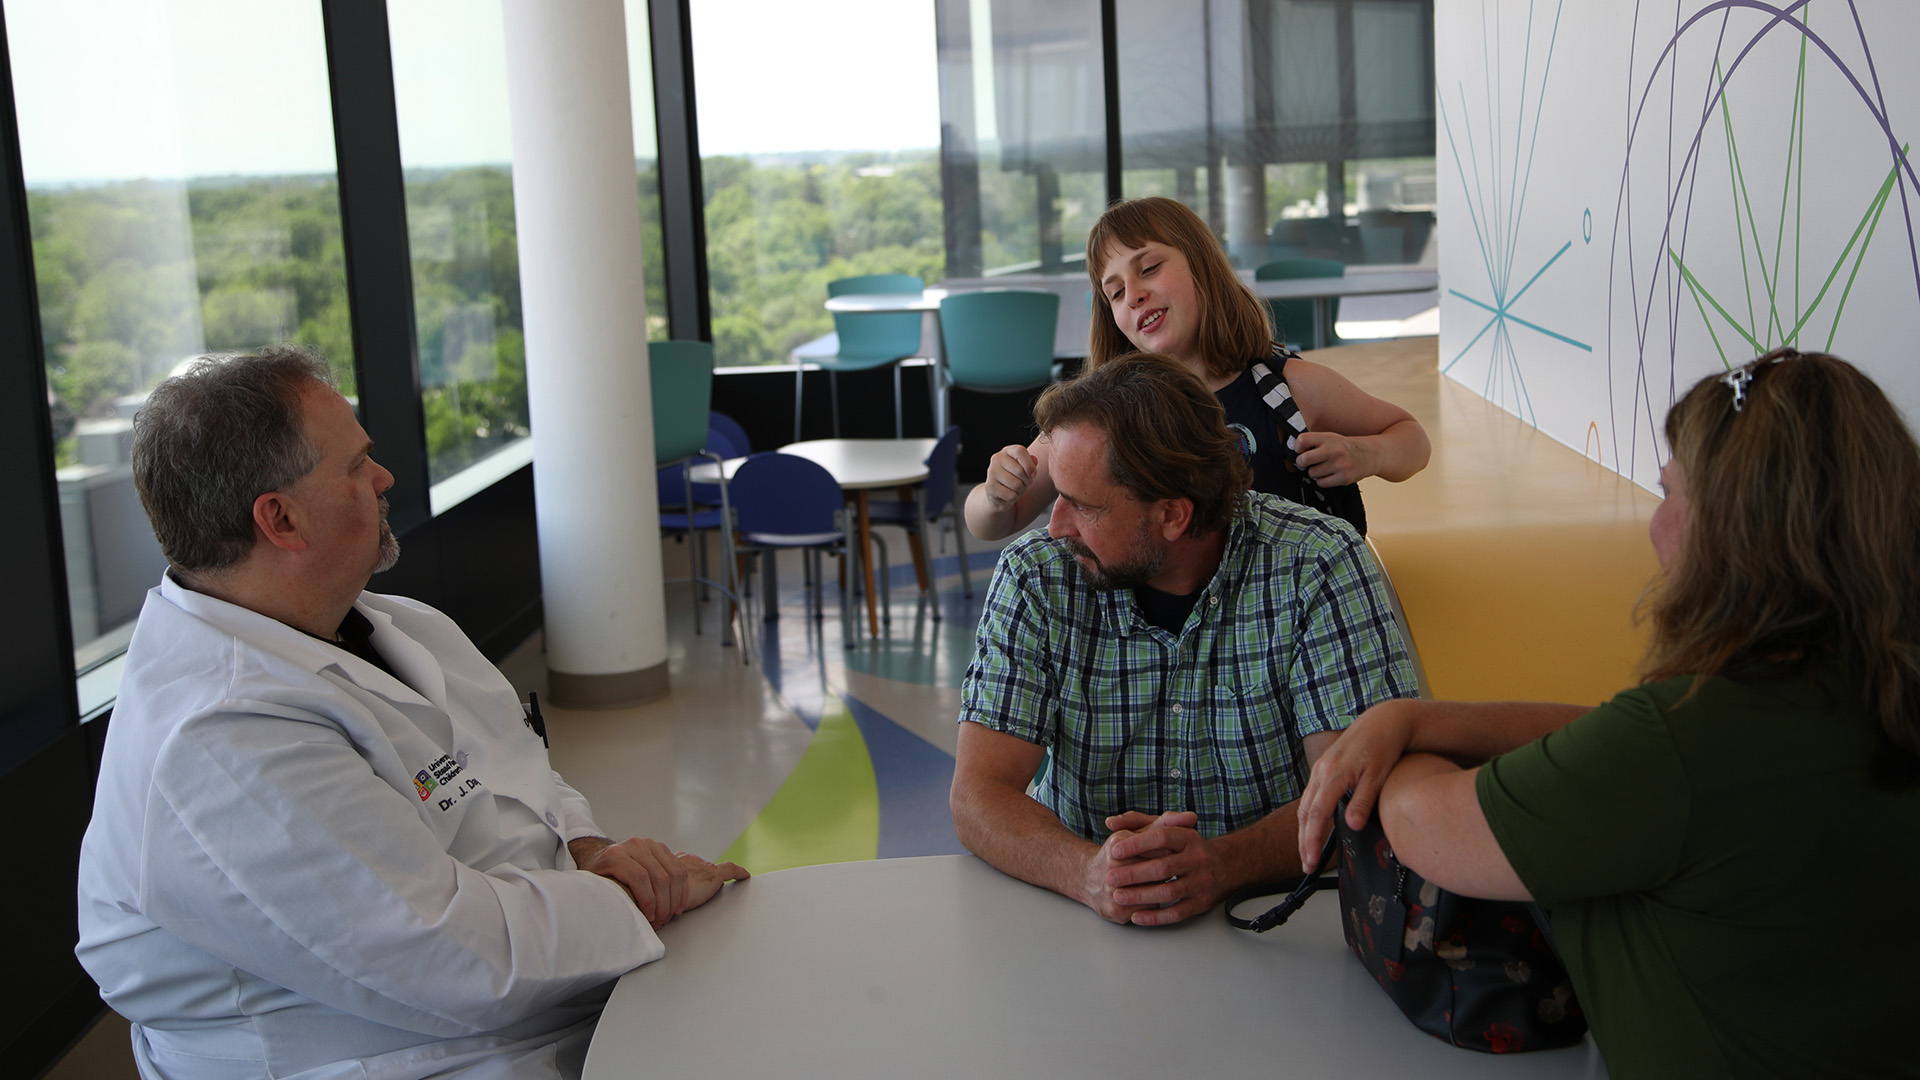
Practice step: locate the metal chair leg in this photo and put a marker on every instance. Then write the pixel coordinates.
(932, 592)
(884, 577)
(770, 584)
(833, 391)
(899, 431)
(850, 573)
(799, 384)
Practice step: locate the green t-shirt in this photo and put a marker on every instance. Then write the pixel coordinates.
(1728, 889)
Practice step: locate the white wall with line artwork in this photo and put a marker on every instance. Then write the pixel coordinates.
(1639, 193)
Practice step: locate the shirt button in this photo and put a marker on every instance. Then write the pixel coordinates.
(1175, 774)
(1176, 708)
(552, 820)
(1213, 601)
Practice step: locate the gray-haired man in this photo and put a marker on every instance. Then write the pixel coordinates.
(324, 840)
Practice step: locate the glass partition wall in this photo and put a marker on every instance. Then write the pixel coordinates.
(1023, 109)
(1296, 128)
(183, 199)
(818, 125)
(450, 91)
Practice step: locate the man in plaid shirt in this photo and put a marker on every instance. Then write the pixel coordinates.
(1185, 650)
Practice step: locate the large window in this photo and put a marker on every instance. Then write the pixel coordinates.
(646, 155)
(1024, 111)
(182, 198)
(819, 125)
(450, 93)
(1297, 128)
(450, 90)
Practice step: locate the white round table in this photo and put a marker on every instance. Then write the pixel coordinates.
(945, 967)
(858, 466)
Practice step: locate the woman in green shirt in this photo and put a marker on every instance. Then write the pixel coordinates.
(1725, 848)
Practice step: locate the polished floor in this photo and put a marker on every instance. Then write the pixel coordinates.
(812, 752)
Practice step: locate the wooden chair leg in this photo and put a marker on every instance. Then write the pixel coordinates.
(921, 556)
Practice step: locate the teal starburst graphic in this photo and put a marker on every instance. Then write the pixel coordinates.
(1497, 210)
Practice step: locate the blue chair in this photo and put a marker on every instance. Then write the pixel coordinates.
(735, 434)
(931, 502)
(1000, 340)
(783, 501)
(681, 376)
(1293, 319)
(678, 490)
(689, 509)
(867, 340)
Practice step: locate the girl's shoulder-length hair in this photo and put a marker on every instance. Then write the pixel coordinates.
(1235, 326)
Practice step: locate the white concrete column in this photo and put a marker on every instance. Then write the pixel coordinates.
(590, 403)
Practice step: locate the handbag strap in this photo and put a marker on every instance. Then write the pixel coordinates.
(1297, 890)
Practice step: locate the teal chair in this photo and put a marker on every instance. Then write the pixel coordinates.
(1000, 340)
(867, 340)
(681, 375)
(1293, 319)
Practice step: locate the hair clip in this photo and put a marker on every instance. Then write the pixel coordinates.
(1737, 381)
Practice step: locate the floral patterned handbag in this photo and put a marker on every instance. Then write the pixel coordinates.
(1477, 973)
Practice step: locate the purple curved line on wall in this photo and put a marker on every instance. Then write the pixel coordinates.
(1875, 108)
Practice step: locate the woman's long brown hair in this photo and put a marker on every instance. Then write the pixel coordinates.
(1803, 536)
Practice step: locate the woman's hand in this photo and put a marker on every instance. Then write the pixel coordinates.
(1358, 762)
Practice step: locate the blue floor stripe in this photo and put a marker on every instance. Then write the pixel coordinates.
(913, 777)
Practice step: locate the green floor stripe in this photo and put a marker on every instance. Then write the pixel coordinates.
(827, 811)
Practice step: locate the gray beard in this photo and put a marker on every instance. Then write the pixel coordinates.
(389, 544)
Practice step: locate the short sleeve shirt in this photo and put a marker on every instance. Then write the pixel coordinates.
(1713, 866)
(1293, 635)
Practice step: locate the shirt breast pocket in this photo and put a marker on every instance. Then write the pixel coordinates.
(1250, 732)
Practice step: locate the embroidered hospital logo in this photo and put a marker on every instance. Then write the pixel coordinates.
(423, 783)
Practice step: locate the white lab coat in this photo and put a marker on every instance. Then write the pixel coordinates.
(300, 867)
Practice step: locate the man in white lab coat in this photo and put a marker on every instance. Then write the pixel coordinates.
(325, 843)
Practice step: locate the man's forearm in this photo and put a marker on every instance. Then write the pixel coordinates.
(1260, 852)
(1020, 837)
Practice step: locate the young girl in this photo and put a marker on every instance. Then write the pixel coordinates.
(1164, 280)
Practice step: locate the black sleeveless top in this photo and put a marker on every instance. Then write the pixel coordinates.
(1264, 418)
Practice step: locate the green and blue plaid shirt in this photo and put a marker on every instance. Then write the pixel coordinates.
(1294, 635)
